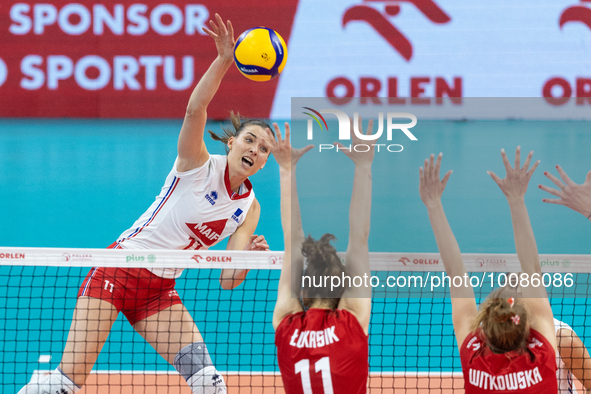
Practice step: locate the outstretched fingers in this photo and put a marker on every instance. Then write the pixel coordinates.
(278, 133)
(230, 28)
(553, 201)
(555, 180)
(527, 160)
(554, 192)
(369, 126)
(564, 177)
(505, 161)
(518, 157)
(445, 178)
(495, 178)
(438, 164)
(533, 169)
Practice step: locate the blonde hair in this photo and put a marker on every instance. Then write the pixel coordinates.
(238, 124)
(497, 319)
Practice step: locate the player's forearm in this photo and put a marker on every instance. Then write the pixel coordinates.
(208, 85)
(290, 207)
(291, 222)
(446, 240)
(525, 242)
(360, 208)
(231, 278)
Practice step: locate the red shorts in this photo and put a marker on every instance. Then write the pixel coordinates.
(136, 292)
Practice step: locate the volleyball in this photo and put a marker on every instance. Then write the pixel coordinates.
(260, 54)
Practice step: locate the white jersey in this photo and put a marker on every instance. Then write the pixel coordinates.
(195, 210)
(563, 375)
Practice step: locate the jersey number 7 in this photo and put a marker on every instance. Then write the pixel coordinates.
(303, 367)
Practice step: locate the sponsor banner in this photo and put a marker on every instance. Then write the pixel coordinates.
(113, 59)
(216, 259)
(420, 52)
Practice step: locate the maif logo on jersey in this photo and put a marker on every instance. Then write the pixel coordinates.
(208, 233)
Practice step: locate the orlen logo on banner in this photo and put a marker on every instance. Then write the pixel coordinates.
(370, 88)
(405, 260)
(216, 259)
(558, 90)
(207, 233)
(345, 129)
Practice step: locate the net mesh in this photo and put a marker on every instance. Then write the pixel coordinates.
(412, 346)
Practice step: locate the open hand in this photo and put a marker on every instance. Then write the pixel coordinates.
(430, 187)
(515, 183)
(223, 35)
(257, 242)
(285, 155)
(576, 197)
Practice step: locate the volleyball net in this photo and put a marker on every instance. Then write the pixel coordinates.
(412, 346)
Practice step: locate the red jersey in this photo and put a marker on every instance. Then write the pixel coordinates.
(322, 352)
(524, 372)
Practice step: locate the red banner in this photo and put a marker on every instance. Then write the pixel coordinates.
(121, 60)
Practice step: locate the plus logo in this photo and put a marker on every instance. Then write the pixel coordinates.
(380, 21)
(577, 13)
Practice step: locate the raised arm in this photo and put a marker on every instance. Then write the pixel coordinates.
(358, 300)
(288, 301)
(576, 197)
(192, 152)
(431, 188)
(575, 356)
(514, 187)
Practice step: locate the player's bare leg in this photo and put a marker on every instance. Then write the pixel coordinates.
(91, 325)
(174, 335)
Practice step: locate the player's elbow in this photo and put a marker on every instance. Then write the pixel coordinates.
(196, 109)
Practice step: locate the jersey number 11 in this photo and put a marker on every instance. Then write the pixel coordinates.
(303, 367)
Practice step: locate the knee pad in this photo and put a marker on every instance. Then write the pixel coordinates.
(194, 364)
(56, 382)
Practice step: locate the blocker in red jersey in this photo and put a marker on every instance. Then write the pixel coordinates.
(509, 344)
(322, 341)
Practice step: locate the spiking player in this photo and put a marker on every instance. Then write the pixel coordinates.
(324, 347)
(509, 345)
(205, 198)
